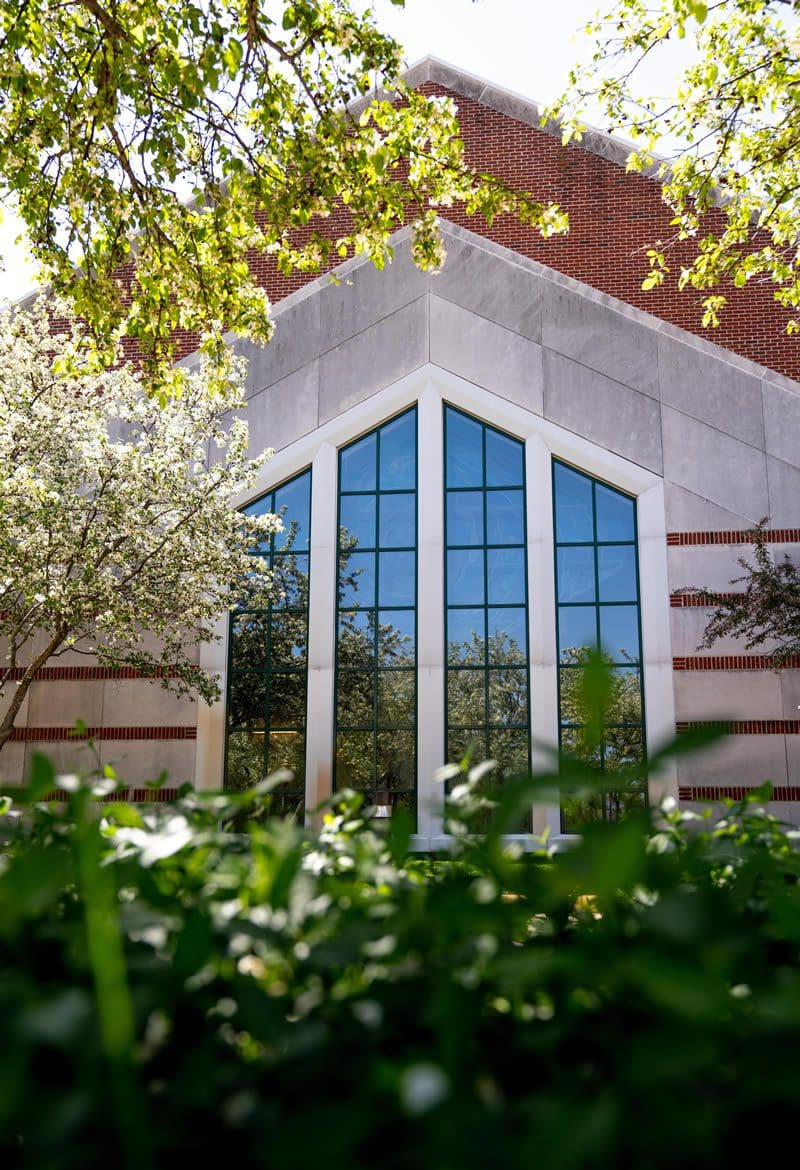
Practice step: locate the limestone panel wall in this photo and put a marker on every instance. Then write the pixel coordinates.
(723, 433)
(132, 724)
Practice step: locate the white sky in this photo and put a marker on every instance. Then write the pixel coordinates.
(524, 45)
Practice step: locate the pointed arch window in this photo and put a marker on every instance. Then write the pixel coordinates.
(441, 627)
(486, 595)
(376, 660)
(597, 605)
(268, 655)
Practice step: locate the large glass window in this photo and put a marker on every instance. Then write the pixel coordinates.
(366, 646)
(376, 689)
(486, 591)
(597, 593)
(268, 667)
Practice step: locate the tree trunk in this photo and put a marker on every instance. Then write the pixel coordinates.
(23, 686)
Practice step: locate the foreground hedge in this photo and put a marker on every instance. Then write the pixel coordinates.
(199, 985)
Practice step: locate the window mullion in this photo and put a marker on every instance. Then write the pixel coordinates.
(321, 626)
(430, 613)
(541, 623)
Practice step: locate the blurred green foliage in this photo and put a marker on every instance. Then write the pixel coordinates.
(195, 984)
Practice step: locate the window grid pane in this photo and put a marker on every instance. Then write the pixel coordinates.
(486, 590)
(268, 660)
(376, 659)
(597, 591)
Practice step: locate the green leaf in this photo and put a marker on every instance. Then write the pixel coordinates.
(689, 742)
(232, 55)
(41, 778)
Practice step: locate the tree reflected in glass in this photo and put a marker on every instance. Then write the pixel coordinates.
(617, 752)
(267, 686)
(375, 701)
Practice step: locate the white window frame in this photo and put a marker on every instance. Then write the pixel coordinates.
(430, 388)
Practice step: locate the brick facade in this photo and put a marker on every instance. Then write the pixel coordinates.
(614, 217)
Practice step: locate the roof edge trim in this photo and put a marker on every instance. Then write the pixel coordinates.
(611, 147)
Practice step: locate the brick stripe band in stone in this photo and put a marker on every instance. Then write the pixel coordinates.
(745, 726)
(134, 795)
(698, 600)
(734, 536)
(734, 792)
(88, 673)
(63, 734)
(733, 662)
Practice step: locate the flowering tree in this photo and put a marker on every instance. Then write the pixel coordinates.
(115, 515)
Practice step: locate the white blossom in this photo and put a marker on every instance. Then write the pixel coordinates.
(115, 514)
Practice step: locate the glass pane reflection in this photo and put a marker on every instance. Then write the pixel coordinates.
(292, 504)
(623, 748)
(287, 699)
(355, 760)
(244, 764)
(467, 742)
(508, 636)
(396, 773)
(355, 698)
(464, 518)
(503, 460)
(505, 517)
(397, 523)
(577, 629)
(616, 572)
(356, 641)
(573, 505)
(287, 750)
(575, 574)
(358, 465)
(397, 637)
(465, 577)
(508, 697)
(397, 581)
(619, 632)
(247, 700)
(289, 585)
(250, 640)
(398, 441)
(464, 458)
(506, 573)
(615, 514)
(357, 518)
(465, 640)
(357, 579)
(466, 697)
(396, 698)
(626, 690)
(511, 749)
(287, 645)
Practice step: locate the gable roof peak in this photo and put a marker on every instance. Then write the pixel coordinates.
(507, 101)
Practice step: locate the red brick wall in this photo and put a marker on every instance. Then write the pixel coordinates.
(614, 217)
